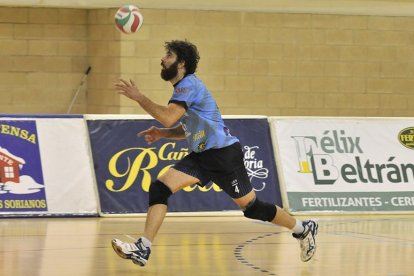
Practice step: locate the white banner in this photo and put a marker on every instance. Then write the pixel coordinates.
(46, 167)
(354, 165)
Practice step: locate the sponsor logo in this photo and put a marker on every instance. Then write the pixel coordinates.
(199, 135)
(141, 161)
(406, 137)
(21, 176)
(182, 90)
(201, 146)
(319, 156)
(255, 168)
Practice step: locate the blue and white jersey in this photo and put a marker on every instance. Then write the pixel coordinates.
(203, 125)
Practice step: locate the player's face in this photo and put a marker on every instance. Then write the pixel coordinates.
(168, 73)
(169, 66)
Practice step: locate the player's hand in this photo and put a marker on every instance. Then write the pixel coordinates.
(128, 89)
(151, 135)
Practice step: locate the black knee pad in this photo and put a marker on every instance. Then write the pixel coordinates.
(158, 193)
(257, 209)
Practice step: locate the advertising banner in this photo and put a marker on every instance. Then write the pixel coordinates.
(21, 176)
(125, 165)
(349, 165)
(45, 167)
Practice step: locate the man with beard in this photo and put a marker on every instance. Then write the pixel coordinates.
(215, 155)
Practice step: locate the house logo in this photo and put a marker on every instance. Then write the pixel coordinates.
(10, 166)
(22, 186)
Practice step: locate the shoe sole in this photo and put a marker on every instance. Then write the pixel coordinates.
(138, 261)
(119, 251)
(135, 259)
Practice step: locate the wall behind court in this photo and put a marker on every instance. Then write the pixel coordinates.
(43, 53)
(254, 63)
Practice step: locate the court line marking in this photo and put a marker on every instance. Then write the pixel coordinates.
(238, 250)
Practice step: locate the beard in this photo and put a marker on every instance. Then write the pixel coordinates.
(170, 72)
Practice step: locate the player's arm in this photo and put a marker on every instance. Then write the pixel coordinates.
(176, 133)
(166, 115)
(153, 134)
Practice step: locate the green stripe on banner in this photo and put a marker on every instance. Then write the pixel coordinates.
(351, 201)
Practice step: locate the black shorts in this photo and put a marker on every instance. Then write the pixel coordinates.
(225, 167)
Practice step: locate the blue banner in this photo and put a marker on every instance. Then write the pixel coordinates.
(21, 178)
(125, 166)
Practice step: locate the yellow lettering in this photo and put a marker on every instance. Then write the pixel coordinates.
(161, 155)
(18, 132)
(133, 170)
(199, 135)
(173, 155)
(213, 186)
(190, 188)
(5, 129)
(24, 134)
(216, 188)
(145, 160)
(15, 131)
(164, 170)
(23, 204)
(204, 189)
(407, 137)
(32, 139)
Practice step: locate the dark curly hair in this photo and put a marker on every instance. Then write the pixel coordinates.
(185, 51)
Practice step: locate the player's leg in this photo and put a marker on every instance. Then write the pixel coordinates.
(160, 190)
(173, 180)
(254, 208)
(303, 231)
(234, 180)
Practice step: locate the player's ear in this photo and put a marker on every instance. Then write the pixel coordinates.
(181, 65)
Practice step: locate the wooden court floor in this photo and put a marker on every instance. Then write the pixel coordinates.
(347, 245)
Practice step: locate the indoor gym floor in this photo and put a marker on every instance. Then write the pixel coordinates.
(347, 245)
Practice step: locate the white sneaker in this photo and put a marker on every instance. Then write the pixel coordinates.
(137, 251)
(307, 240)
